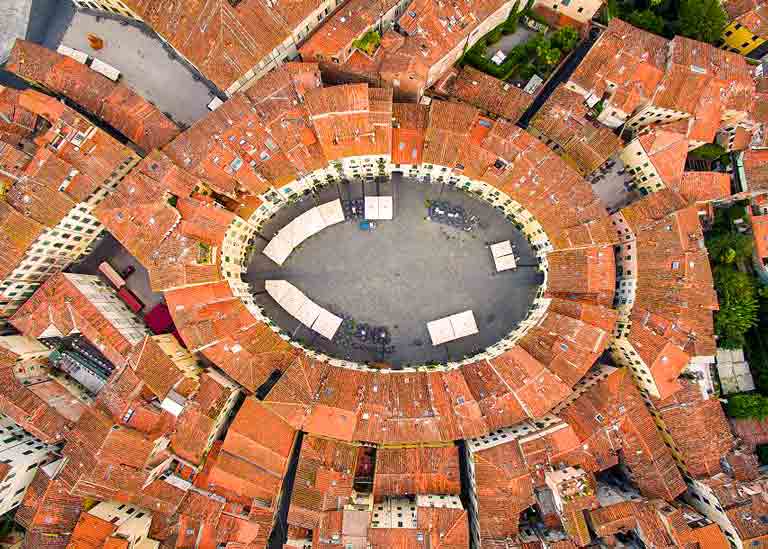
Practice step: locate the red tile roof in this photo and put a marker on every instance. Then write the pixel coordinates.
(116, 104)
(490, 94)
(91, 532)
(207, 314)
(59, 303)
(756, 169)
(667, 151)
(586, 143)
(17, 235)
(324, 477)
(257, 138)
(332, 41)
(177, 244)
(632, 59)
(48, 509)
(760, 234)
(616, 402)
(674, 296)
(504, 488)
(252, 355)
(698, 428)
(415, 471)
(254, 456)
(224, 41)
(586, 274)
(704, 186)
(35, 415)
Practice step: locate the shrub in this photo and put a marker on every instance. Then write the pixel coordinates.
(709, 151)
(729, 246)
(647, 20)
(565, 39)
(738, 306)
(748, 406)
(494, 36)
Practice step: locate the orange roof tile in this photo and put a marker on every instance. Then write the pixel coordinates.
(698, 427)
(760, 234)
(59, 303)
(91, 532)
(490, 94)
(413, 471)
(117, 105)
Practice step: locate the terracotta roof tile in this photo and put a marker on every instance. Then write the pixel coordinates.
(59, 303)
(698, 428)
(630, 58)
(117, 105)
(615, 400)
(324, 477)
(490, 94)
(413, 471)
(17, 235)
(704, 186)
(586, 143)
(91, 532)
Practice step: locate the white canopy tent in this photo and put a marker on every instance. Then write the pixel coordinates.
(301, 228)
(503, 256)
(452, 327)
(303, 309)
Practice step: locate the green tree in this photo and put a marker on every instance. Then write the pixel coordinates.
(748, 406)
(609, 11)
(546, 55)
(731, 284)
(709, 151)
(647, 20)
(702, 20)
(733, 320)
(727, 247)
(738, 306)
(565, 39)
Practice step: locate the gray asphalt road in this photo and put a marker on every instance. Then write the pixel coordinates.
(406, 272)
(140, 56)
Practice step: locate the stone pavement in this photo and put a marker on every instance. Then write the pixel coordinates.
(141, 56)
(401, 275)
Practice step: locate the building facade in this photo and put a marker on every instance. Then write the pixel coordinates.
(21, 455)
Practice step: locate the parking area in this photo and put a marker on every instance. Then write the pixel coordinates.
(144, 60)
(401, 274)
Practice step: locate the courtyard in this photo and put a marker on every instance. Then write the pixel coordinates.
(401, 274)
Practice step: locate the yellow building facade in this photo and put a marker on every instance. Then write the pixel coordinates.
(740, 39)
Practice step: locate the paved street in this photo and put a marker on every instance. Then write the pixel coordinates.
(611, 184)
(110, 250)
(145, 64)
(406, 272)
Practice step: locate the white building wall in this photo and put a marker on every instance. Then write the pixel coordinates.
(651, 114)
(24, 454)
(110, 306)
(580, 10)
(115, 7)
(132, 523)
(639, 164)
(701, 497)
